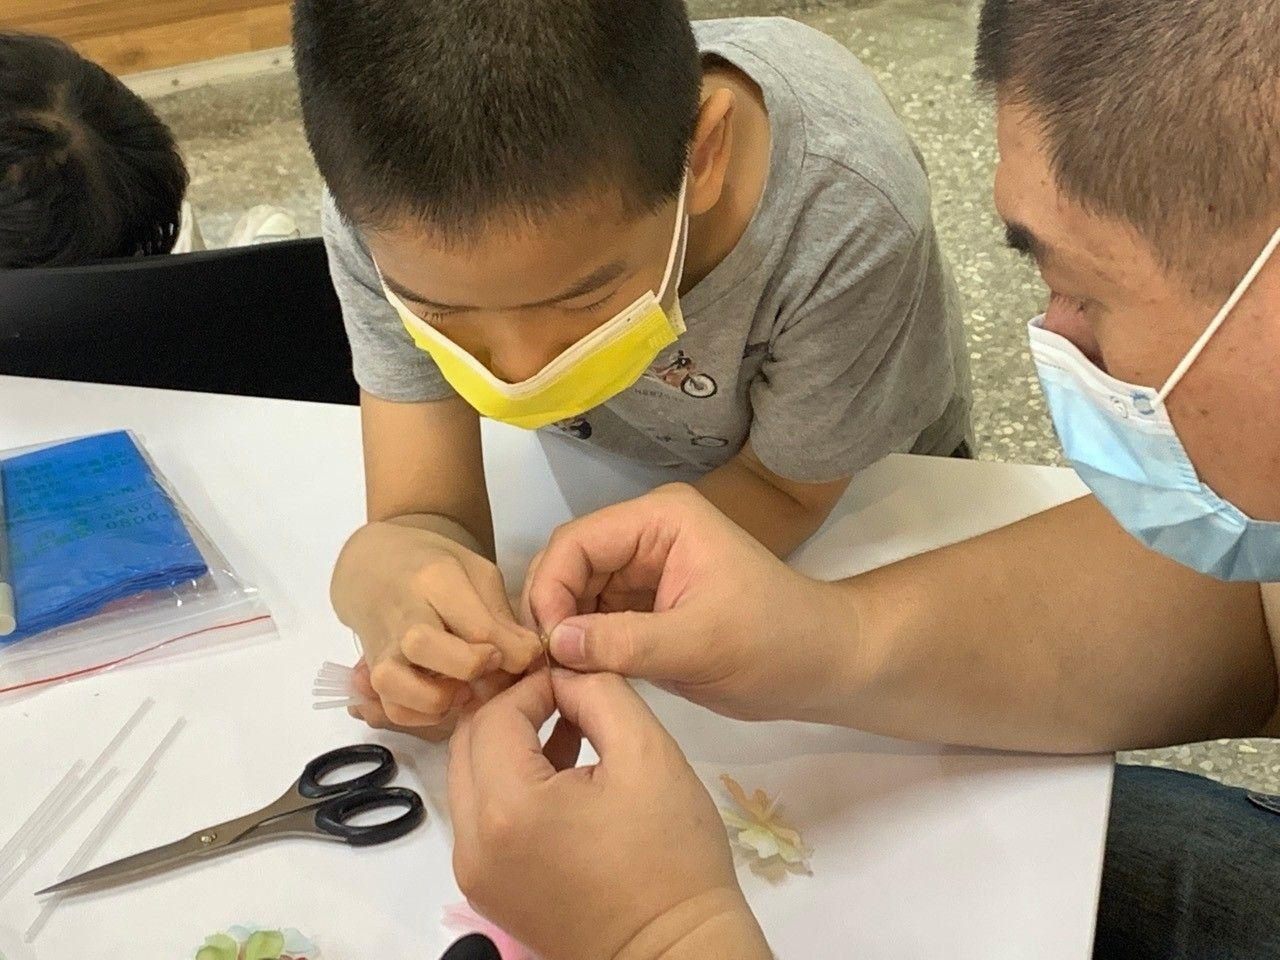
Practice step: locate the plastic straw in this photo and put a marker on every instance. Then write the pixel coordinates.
(121, 735)
(337, 704)
(37, 848)
(43, 832)
(104, 826)
(90, 847)
(16, 845)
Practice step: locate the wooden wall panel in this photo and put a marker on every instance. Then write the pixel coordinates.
(129, 36)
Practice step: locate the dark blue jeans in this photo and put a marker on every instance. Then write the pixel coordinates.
(1192, 872)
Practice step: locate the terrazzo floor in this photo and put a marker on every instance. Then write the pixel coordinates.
(244, 145)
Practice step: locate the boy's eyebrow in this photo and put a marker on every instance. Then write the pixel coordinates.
(591, 282)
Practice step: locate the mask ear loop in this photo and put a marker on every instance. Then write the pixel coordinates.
(677, 241)
(1241, 289)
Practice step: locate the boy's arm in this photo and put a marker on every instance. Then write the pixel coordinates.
(424, 467)
(778, 512)
(417, 582)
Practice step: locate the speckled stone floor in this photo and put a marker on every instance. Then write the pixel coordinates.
(244, 144)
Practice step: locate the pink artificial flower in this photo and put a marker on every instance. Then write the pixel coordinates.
(461, 918)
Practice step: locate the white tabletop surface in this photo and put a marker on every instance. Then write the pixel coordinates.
(919, 851)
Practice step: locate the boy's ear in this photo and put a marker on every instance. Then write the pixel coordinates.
(711, 150)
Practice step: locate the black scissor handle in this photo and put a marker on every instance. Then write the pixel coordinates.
(309, 784)
(332, 816)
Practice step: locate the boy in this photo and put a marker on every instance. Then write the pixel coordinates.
(88, 171)
(707, 246)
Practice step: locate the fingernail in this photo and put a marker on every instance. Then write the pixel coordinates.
(569, 643)
(494, 662)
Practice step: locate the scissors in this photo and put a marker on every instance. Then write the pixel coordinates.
(308, 808)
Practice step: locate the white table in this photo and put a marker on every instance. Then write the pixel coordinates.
(920, 851)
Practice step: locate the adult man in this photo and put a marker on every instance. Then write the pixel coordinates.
(1140, 166)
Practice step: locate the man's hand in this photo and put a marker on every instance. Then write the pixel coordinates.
(714, 616)
(626, 859)
(434, 621)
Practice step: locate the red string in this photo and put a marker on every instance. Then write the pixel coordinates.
(137, 653)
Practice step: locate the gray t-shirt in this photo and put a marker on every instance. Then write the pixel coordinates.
(829, 336)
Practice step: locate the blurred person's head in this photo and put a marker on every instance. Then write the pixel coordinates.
(1140, 168)
(87, 169)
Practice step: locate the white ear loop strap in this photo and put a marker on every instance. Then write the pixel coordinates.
(1241, 289)
(677, 247)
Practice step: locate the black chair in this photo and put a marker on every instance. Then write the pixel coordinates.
(257, 321)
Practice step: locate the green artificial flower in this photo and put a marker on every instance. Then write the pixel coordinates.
(219, 947)
(264, 945)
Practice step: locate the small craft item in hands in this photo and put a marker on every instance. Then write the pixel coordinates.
(253, 943)
(772, 847)
(335, 687)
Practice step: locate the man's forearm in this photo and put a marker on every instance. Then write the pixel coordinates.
(1060, 633)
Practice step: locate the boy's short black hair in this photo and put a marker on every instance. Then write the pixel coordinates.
(87, 170)
(1162, 113)
(459, 112)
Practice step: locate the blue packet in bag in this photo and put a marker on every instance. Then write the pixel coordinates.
(89, 524)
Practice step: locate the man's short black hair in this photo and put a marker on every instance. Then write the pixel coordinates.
(455, 113)
(1162, 113)
(87, 170)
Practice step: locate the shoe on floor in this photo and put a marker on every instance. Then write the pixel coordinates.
(263, 224)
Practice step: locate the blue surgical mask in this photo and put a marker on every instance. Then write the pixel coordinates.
(1121, 442)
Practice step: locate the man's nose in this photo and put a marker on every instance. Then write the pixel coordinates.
(1066, 318)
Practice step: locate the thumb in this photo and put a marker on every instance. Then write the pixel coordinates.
(612, 716)
(651, 646)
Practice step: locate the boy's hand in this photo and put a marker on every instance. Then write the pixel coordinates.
(626, 859)
(433, 618)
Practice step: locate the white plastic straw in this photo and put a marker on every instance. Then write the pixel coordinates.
(37, 848)
(337, 704)
(16, 846)
(121, 735)
(43, 832)
(334, 687)
(104, 827)
(90, 847)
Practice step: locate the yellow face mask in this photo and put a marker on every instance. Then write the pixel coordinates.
(599, 366)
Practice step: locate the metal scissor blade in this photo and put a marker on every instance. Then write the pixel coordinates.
(171, 854)
(192, 847)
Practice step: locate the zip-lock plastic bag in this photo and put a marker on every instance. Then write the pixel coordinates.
(107, 564)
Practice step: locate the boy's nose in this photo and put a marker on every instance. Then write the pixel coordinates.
(520, 363)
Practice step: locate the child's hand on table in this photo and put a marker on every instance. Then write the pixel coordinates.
(435, 623)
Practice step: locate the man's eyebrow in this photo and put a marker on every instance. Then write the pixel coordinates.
(1020, 238)
(591, 282)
